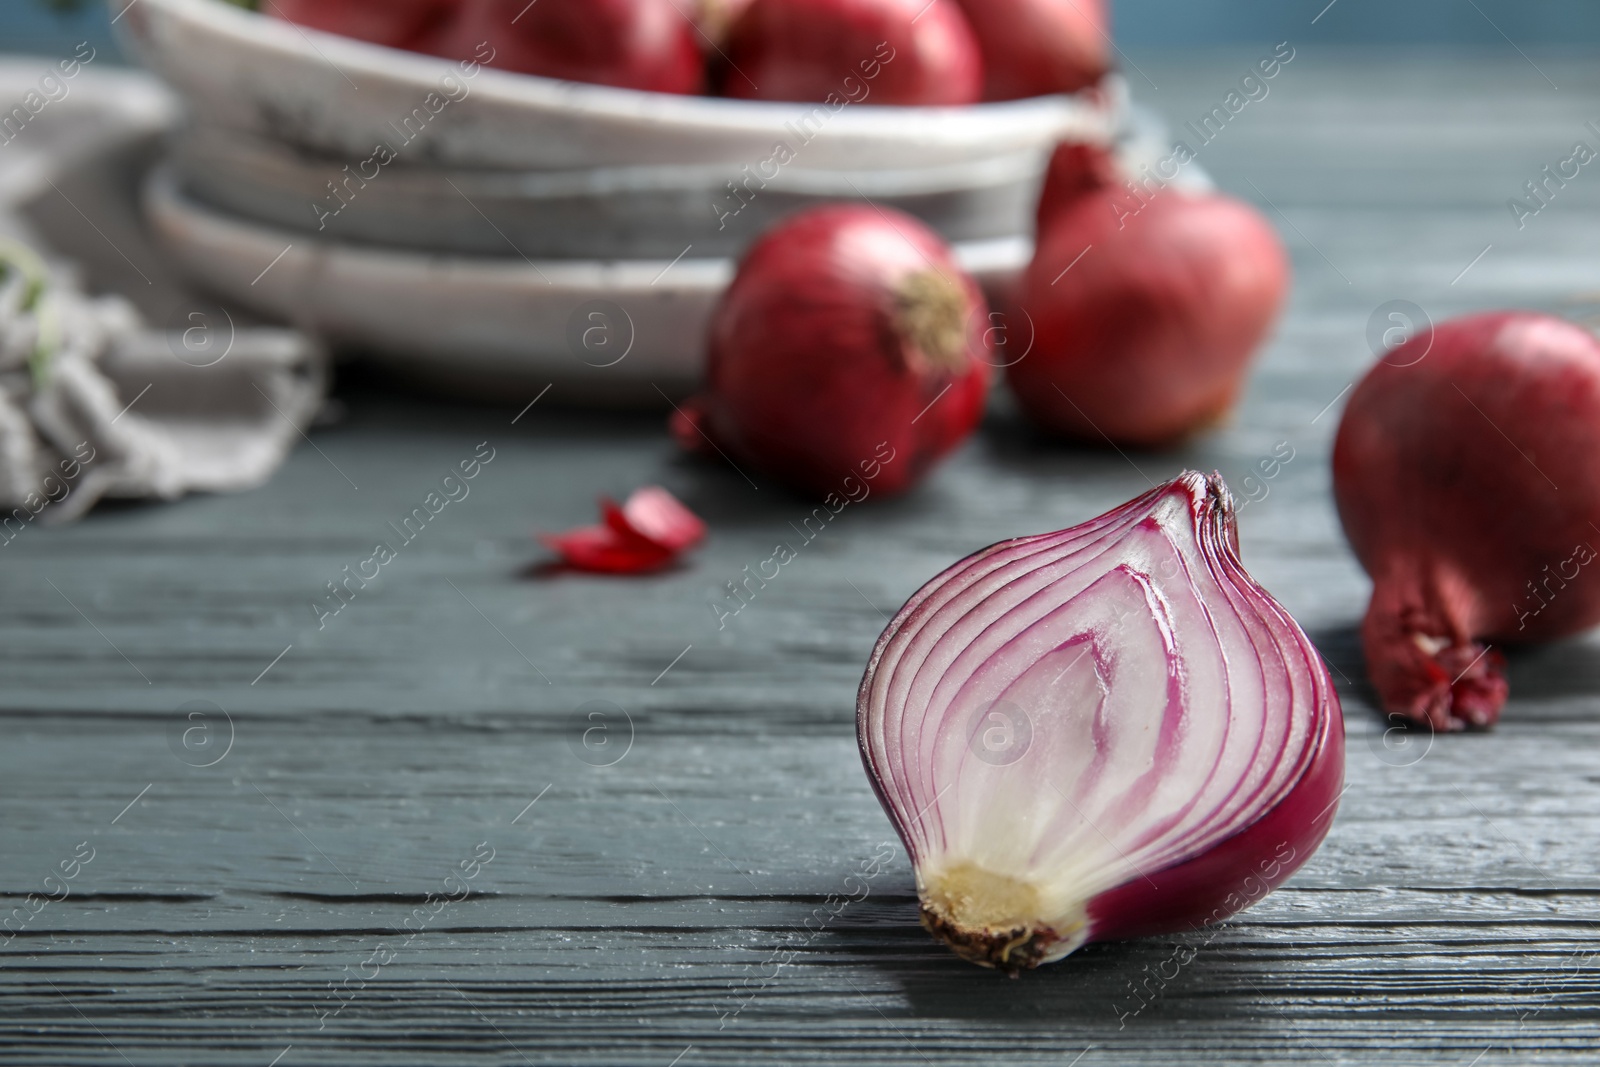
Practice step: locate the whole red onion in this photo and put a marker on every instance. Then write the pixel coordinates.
(1104, 732)
(633, 44)
(1035, 47)
(396, 23)
(1466, 480)
(854, 51)
(848, 346)
(1146, 311)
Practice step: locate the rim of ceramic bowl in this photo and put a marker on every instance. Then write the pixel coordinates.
(506, 314)
(205, 46)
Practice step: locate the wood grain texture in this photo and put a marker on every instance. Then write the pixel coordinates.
(655, 911)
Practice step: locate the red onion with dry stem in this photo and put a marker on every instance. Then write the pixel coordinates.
(1466, 480)
(633, 44)
(849, 334)
(1146, 311)
(1107, 732)
(1035, 47)
(854, 51)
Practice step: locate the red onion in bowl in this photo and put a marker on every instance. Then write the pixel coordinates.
(395, 23)
(843, 52)
(1106, 732)
(1035, 47)
(634, 44)
(1466, 480)
(850, 343)
(1147, 310)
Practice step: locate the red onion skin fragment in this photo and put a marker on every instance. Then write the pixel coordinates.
(601, 550)
(1208, 789)
(1146, 312)
(645, 534)
(1465, 475)
(658, 516)
(849, 345)
(631, 44)
(1036, 47)
(906, 52)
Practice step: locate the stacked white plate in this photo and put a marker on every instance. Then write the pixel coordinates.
(500, 229)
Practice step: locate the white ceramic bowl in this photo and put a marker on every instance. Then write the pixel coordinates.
(486, 323)
(598, 213)
(254, 74)
(514, 213)
(482, 324)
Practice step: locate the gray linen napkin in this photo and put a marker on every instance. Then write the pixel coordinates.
(94, 405)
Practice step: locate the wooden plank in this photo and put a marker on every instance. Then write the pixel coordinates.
(657, 908)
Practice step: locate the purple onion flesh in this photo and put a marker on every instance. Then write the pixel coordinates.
(1106, 732)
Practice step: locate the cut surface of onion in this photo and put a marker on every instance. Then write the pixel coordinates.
(1105, 732)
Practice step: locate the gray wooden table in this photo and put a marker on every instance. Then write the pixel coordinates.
(290, 902)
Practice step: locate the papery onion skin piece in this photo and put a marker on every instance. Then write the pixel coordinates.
(658, 516)
(603, 549)
(1193, 760)
(1146, 312)
(842, 52)
(645, 534)
(1466, 477)
(850, 346)
(1036, 47)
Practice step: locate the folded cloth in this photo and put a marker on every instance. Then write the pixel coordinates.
(94, 405)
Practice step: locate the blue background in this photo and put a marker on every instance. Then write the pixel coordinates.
(26, 25)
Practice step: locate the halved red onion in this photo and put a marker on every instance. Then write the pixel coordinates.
(1106, 732)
